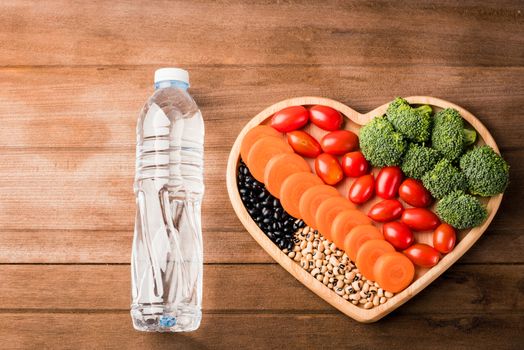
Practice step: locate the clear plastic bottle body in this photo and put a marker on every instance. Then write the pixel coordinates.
(167, 256)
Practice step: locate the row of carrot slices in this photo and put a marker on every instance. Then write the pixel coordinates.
(287, 176)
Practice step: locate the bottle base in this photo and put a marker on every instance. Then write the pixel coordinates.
(148, 319)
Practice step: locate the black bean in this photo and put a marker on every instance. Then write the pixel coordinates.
(265, 209)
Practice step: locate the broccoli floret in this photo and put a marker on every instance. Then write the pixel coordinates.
(487, 172)
(381, 144)
(413, 123)
(448, 135)
(461, 210)
(470, 137)
(443, 179)
(418, 160)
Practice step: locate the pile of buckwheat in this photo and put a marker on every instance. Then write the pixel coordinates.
(332, 266)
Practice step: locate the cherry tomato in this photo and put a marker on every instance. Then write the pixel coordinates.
(303, 143)
(339, 142)
(420, 219)
(413, 192)
(398, 234)
(422, 255)
(354, 164)
(328, 168)
(325, 117)
(388, 182)
(290, 118)
(444, 238)
(387, 210)
(362, 189)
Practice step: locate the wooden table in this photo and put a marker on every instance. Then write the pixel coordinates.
(73, 77)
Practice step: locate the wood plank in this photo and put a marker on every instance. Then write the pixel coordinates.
(267, 331)
(97, 188)
(97, 108)
(330, 32)
(83, 246)
(97, 223)
(478, 288)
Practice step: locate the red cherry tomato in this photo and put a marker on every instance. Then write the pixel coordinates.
(354, 164)
(290, 118)
(422, 255)
(387, 210)
(362, 189)
(420, 219)
(328, 168)
(326, 117)
(413, 192)
(339, 142)
(444, 238)
(303, 143)
(398, 234)
(388, 182)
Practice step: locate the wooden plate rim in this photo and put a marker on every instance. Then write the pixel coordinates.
(353, 311)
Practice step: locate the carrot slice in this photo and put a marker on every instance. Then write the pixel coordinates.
(311, 199)
(327, 211)
(357, 236)
(293, 188)
(344, 222)
(368, 254)
(262, 151)
(279, 168)
(394, 271)
(252, 136)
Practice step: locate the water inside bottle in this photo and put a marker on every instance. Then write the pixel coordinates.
(167, 257)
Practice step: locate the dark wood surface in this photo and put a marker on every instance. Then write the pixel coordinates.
(73, 76)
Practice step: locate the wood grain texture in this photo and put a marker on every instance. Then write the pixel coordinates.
(265, 331)
(93, 108)
(73, 76)
(294, 32)
(234, 246)
(247, 287)
(33, 215)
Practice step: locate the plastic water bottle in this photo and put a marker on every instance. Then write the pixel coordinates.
(167, 259)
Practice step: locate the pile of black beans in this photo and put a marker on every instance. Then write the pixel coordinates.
(266, 210)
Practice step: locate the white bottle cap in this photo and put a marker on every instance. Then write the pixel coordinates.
(178, 74)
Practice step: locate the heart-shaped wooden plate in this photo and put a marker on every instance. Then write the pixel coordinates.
(423, 277)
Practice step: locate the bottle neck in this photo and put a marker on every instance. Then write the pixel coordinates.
(171, 83)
